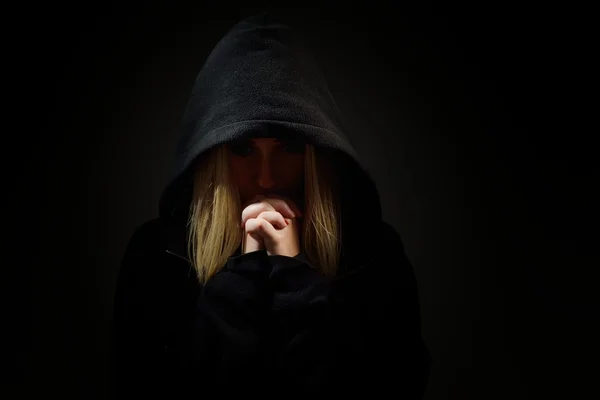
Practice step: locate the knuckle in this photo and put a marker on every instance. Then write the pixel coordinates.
(264, 214)
(262, 207)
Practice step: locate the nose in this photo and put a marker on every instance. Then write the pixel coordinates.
(265, 174)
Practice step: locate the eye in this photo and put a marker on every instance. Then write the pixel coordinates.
(241, 148)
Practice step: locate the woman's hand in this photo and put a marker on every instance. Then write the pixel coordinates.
(269, 223)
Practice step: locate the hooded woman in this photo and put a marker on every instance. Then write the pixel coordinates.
(269, 270)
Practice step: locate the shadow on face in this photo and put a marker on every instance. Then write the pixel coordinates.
(263, 166)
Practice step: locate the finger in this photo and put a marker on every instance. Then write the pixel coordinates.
(252, 242)
(267, 204)
(283, 204)
(261, 227)
(274, 218)
(256, 199)
(253, 210)
(277, 198)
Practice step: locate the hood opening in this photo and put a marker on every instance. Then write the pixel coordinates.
(261, 79)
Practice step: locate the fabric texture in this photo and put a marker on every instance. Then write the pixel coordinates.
(267, 325)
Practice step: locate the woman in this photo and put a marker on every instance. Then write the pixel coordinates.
(270, 270)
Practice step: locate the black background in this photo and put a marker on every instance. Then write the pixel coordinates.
(475, 122)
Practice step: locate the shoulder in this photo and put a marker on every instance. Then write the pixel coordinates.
(147, 268)
(151, 285)
(142, 256)
(391, 255)
(149, 235)
(375, 252)
(394, 257)
(390, 236)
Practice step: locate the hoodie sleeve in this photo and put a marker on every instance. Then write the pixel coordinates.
(168, 338)
(364, 328)
(137, 346)
(236, 301)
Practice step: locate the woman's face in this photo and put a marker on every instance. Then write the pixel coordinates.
(268, 166)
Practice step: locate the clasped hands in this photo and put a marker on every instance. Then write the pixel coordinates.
(271, 223)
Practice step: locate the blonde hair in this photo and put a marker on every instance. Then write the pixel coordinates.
(214, 232)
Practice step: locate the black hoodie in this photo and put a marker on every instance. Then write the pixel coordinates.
(265, 324)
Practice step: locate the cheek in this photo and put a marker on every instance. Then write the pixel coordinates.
(295, 171)
(289, 174)
(238, 171)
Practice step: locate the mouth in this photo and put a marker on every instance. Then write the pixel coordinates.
(274, 194)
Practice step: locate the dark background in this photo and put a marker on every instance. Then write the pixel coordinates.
(472, 120)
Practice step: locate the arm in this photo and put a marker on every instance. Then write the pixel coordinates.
(359, 332)
(171, 335)
(138, 358)
(236, 302)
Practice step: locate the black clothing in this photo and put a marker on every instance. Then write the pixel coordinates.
(267, 325)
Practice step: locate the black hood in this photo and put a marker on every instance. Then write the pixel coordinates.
(262, 78)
